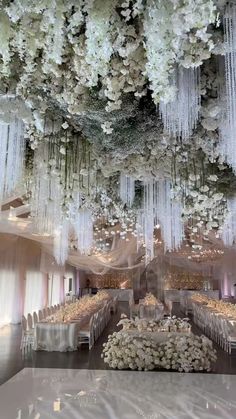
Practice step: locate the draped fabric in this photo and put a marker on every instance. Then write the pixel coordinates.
(11, 282)
(55, 289)
(35, 291)
(25, 272)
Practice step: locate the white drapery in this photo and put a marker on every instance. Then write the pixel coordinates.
(10, 297)
(24, 276)
(11, 281)
(55, 289)
(35, 291)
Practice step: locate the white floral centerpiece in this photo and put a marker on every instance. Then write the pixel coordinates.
(82, 307)
(183, 354)
(228, 309)
(170, 324)
(150, 299)
(150, 307)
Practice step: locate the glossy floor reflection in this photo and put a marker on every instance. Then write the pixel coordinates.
(89, 394)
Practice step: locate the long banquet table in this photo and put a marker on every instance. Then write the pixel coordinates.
(57, 336)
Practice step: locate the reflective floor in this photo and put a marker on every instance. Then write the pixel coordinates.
(95, 394)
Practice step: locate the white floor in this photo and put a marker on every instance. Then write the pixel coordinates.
(88, 394)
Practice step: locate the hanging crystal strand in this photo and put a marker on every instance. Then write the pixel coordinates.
(228, 129)
(177, 226)
(12, 149)
(181, 115)
(222, 103)
(84, 230)
(3, 154)
(169, 213)
(149, 220)
(15, 155)
(127, 189)
(229, 227)
(47, 193)
(164, 211)
(140, 228)
(61, 243)
(159, 205)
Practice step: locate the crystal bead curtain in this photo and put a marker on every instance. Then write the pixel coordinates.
(228, 129)
(84, 230)
(180, 116)
(127, 189)
(12, 148)
(61, 242)
(229, 227)
(159, 206)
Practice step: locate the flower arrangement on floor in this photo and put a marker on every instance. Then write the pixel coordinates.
(170, 324)
(183, 354)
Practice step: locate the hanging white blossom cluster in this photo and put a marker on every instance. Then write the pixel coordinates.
(119, 55)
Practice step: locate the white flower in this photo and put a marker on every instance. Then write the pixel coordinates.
(213, 178)
(62, 150)
(107, 127)
(65, 125)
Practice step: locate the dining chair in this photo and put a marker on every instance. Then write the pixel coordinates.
(30, 322)
(27, 337)
(96, 325)
(86, 334)
(35, 318)
(40, 315)
(114, 304)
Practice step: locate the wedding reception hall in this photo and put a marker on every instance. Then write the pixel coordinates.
(117, 209)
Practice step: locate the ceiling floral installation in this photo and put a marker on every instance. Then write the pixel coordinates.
(123, 114)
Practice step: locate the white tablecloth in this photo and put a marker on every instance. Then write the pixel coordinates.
(59, 337)
(157, 337)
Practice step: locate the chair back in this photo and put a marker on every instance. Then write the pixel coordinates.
(24, 323)
(40, 315)
(30, 321)
(35, 318)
